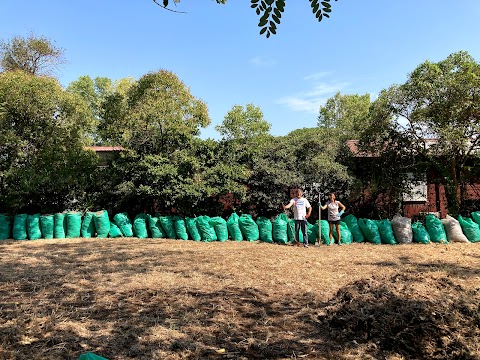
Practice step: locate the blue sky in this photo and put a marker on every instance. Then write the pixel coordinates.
(216, 50)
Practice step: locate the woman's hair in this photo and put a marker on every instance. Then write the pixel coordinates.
(330, 195)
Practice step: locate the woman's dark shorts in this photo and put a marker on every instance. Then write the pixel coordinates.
(334, 222)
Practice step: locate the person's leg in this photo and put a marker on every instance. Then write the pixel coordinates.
(338, 233)
(304, 232)
(330, 235)
(297, 230)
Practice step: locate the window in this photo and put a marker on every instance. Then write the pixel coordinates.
(418, 189)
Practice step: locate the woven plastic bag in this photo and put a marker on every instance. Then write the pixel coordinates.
(470, 228)
(280, 229)
(454, 230)
(386, 232)
(370, 230)
(220, 226)
(249, 227)
(420, 234)
(402, 228)
(33, 227)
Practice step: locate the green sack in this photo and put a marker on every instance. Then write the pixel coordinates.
(291, 232)
(280, 229)
(167, 226)
(435, 229)
(140, 226)
(345, 234)
(180, 228)
(220, 226)
(20, 227)
(312, 231)
(191, 224)
(476, 217)
(470, 228)
(124, 224)
(234, 227)
(265, 229)
(33, 227)
(155, 227)
(248, 227)
(91, 356)
(370, 230)
(74, 224)
(207, 232)
(115, 231)
(352, 224)
(5, 230)
(102, 223)
(420, 234)
(47, 224)
(59, 225)
(88, 225)
(325, 228)
(386, 232)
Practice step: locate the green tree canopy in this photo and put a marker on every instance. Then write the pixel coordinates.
(42, 138)
(32, 54)
(349, 113)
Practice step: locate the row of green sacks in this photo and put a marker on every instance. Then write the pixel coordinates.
(204, 228)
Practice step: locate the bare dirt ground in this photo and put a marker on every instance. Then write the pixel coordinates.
(172, 299)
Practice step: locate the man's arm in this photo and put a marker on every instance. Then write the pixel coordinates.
(289, 205)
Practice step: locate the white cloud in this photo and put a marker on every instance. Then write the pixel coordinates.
(318, 93)
(260, 61)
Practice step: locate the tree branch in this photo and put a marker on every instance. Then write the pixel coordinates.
(164, 7)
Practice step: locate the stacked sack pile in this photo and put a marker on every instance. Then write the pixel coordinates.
(399, 230)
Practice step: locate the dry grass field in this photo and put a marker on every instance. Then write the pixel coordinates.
(172, 299)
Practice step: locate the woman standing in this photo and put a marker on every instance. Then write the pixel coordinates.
(334, 215)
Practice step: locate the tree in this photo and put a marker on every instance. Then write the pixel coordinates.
(270, 12)
(43, 164)
(442, 101)
(242, 124)
(346, 112)
(445, 102)
(32, 54)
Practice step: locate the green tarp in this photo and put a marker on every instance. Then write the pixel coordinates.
(470, 228)
(220, 226)
(420, 233)
(33, 227)
(155, 227)
(74, 224)
(5, 227)
(20, 227)
(124, 224)
(248, 227)
(180, 228)
(280, 229)
(435, 229)
(102, 223)
(140, 226)
(191, 224)
(59, 226)
(370, 230)
(91, 356)
(352, 223)
(386, 232)
(234, 227)
(88, 225)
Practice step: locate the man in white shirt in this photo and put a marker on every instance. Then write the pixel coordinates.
(301, 212)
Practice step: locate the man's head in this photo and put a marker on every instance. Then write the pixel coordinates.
(299, 193)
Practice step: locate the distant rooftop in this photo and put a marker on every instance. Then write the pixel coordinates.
(104, 148)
